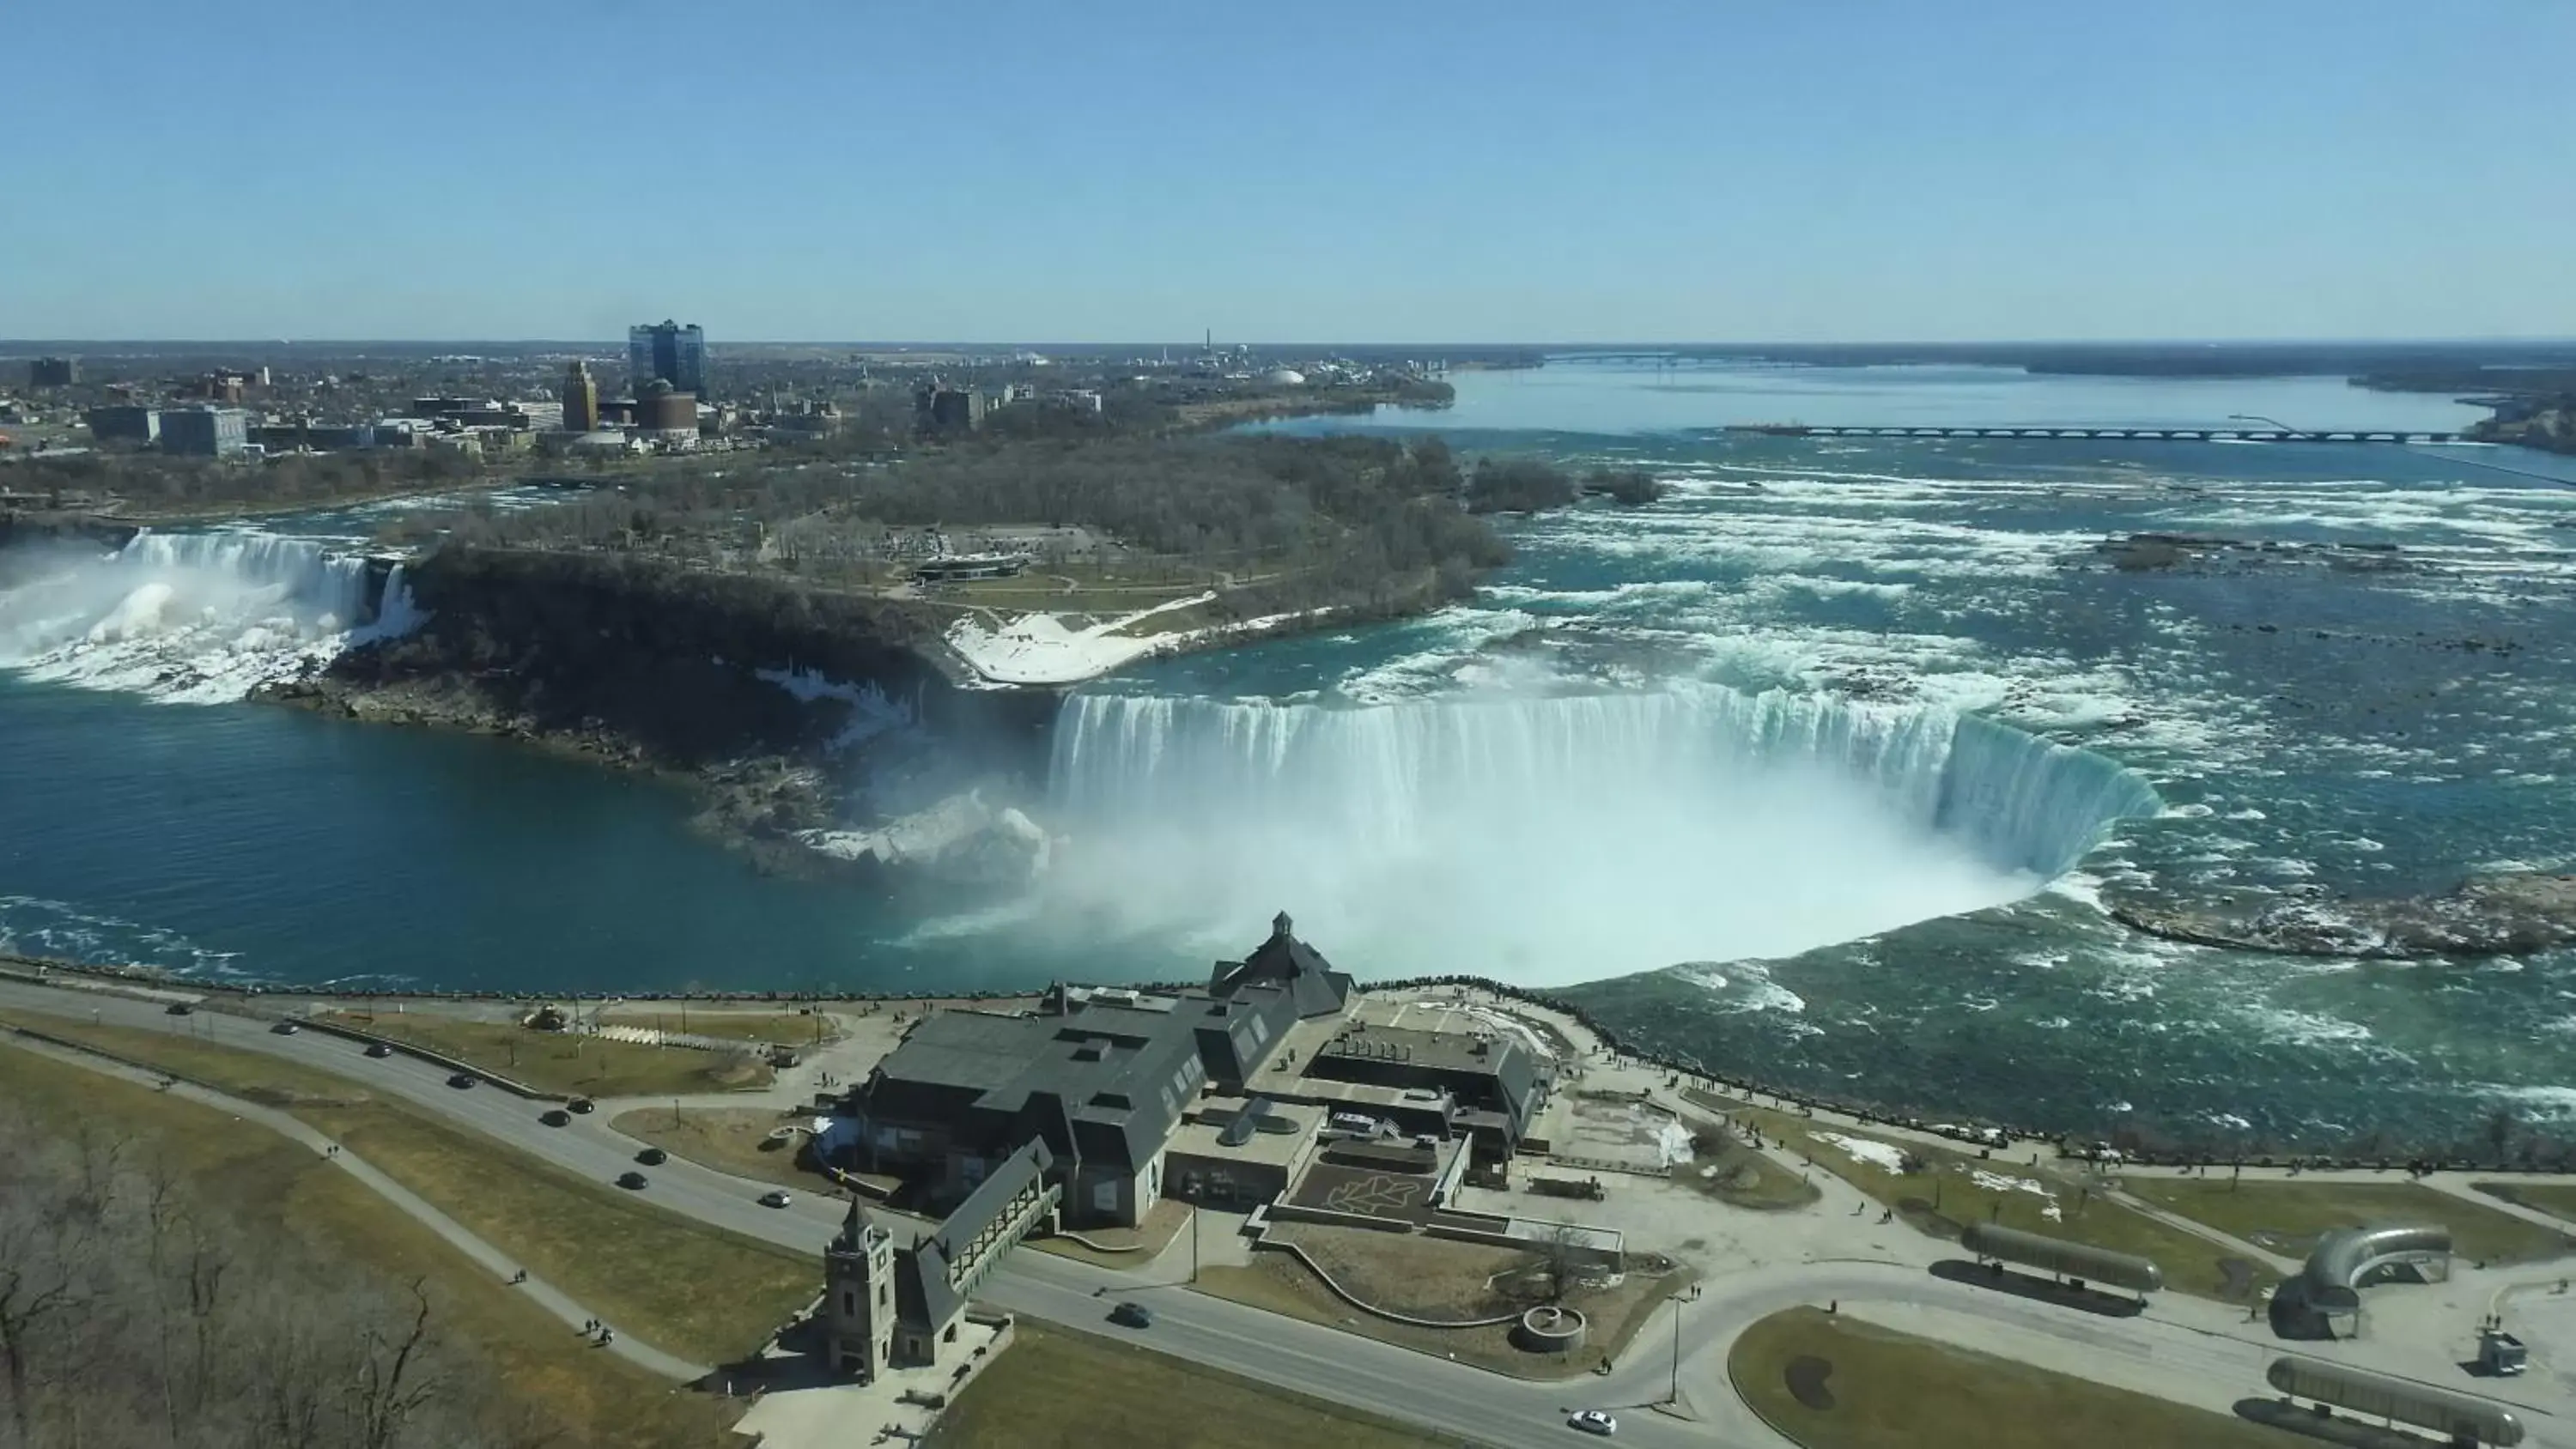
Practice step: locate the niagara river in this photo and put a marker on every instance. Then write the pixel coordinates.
(1827, 769)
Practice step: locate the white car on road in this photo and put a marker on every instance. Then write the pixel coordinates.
(1592, 1421)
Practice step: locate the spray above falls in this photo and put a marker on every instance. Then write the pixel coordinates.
(1555, 838)
(194, 618)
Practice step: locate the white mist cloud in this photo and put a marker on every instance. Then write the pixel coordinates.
(1539, 838)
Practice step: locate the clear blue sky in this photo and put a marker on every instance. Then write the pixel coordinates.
(1318, 170)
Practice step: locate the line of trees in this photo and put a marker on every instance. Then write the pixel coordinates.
(131, 1316)
(1298, 521)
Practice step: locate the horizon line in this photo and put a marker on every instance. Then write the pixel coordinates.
(1555, 344)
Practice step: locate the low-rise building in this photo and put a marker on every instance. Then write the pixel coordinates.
(205, 432)
(125, 423)
(888, 1307)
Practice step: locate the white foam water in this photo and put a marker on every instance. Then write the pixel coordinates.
(1546, 838)
(194, 618)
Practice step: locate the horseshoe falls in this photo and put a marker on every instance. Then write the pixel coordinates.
(1546, 839)
(190, 618)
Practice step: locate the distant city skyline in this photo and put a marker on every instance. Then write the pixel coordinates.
(1649, 173)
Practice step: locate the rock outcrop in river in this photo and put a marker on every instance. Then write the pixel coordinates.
(2506, 914)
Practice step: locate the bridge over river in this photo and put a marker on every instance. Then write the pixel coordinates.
(2247, 435)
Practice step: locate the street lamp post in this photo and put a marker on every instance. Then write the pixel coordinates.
(1674, 1396)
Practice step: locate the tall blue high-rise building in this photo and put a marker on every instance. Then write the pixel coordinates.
(668, 351)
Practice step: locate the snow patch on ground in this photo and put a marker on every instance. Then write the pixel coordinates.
(1039, 649)
(1885, 1155)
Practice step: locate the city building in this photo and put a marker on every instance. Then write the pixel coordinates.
(667, 352)
(53, 372)
(888, 1307)
(205, 432)
(939, 408)
(665, 412)
(125, 423)
(1103, 1077)
(580, 399)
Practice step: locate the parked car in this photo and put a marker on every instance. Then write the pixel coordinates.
(558, 1117)
(775, 1197)
(286, 1028)
(460, 1079)
(379, 1049)
(1132, 1315)
(652, 1157)
(583, 1105)
(180, 1008)
(631, 1181)
(1592, 1421)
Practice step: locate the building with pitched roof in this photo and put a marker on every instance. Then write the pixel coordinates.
(1101, 1076)
(889, 1307)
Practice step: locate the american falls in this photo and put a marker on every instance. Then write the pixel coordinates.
(194, 618)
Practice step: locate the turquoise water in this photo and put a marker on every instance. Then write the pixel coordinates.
(1722, 726)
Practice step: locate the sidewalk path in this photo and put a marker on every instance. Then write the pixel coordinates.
(545, 1295)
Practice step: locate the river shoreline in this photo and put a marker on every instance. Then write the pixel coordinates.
(1987, 1136)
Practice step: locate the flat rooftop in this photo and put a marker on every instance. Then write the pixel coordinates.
(1464, 1017)
(1455, 1051)
(1199, 1136)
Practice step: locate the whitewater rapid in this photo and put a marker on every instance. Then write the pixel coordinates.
(191, 618)
(1550, 838)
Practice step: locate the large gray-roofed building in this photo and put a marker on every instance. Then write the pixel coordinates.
(1101, 1076)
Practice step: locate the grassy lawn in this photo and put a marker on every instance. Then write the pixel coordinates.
(263, 1183)
(800, 1029)
(650, 1272)
(1053, 1389)
(1946, 1196)
(1889, 1390)
(728, 1139)
(2557, 1199)
(1723, 1167)
(1432, 1278)
(2288, 1215)
(566, 1062)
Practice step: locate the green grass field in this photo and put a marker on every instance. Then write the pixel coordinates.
(648, 1270)
(2292, 1214)
(1054, 1389)
(265, 1184)
(1946, 1196)
(566, 1062)
(2556, 1199)
(1890, 1390)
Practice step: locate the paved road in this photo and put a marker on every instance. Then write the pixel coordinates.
(1476, 1406)
(2189, 1363)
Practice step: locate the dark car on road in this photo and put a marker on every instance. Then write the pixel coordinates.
(584, 1105)
(631, 1181)
(557, 1118)
(1132, 1315)
(286, 1028)
(460, 1079)
(379, 1049)
(652, 1157)
(180, 1008)
(775, 1198)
